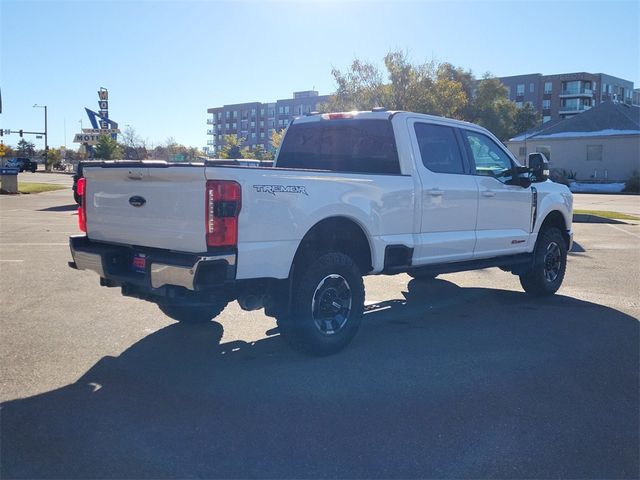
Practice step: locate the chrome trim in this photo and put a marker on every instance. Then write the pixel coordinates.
(164, 274)
(88, 261)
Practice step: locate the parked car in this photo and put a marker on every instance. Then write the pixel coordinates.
(23, 164)
(350, 194)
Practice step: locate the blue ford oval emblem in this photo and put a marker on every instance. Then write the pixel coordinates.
(137, 201)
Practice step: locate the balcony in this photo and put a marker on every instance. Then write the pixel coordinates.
(576, 92)
(210, 121)
(573, 108)
(211, 132)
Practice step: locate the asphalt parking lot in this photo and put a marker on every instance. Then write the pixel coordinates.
(464, 376)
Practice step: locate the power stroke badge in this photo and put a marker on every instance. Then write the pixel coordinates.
(273, 189)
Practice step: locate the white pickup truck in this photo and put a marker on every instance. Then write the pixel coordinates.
(350, 194)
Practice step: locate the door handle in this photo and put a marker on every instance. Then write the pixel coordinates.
(435, 192)
(488, 193)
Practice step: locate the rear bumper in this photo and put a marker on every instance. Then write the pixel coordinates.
(163, 269)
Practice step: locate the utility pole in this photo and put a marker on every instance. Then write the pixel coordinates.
(46, 143)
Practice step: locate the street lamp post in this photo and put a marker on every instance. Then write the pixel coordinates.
(46, 143)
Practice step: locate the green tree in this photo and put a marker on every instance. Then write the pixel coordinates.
(257, 152)
(25, 148)
(231, 147)
(107, 148)
(492, 108)
(276, 139)
(438, 89)
(53, 157)
(526, 118)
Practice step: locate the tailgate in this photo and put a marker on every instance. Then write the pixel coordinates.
(151, 206)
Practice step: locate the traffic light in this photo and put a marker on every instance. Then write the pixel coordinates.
(20, 132)
(1, 132)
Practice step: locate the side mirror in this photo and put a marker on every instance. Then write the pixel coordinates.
(538, 166)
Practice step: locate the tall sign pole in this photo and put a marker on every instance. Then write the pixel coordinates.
(46, 143)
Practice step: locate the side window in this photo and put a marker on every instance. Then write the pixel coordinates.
(439, 148)
(489, 158)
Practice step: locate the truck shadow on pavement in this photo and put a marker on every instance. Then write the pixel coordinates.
(447, 382)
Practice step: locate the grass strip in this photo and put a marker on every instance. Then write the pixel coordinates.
(607, 214)
(30, 187)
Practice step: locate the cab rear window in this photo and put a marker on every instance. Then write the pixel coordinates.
(343, 145)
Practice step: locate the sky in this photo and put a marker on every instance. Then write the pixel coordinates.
(164, 63)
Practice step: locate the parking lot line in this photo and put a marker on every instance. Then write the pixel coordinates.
(625, 231)
(32, 244)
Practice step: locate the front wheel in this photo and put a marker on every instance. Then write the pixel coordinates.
(327, 305)
(193, 312)
(549, 264)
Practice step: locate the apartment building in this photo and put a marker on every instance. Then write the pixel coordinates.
(256, 121)
(567, 94)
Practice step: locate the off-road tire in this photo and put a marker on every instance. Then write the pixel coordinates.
(193, 313)
(328, 282)
(549, 264)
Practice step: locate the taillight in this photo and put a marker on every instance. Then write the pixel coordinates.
(81, 189)
(223, 200)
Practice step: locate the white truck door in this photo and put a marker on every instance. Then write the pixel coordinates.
(504, 211)
(449, 195)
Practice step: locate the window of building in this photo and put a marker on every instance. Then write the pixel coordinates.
(350, 145)
(522, 152)
(519, 104)
(253, 134)
(520, 89)
(253, 124)
(548, 87)
(489, 158)
(531, 88)
(594, 153)
(261, 123)
(235, 114)
(227, 126)
(261, 134)
(439, 148)
(546, 104)
(546, 118)
(286, 109)
(571, 87)
(281, 110)
(253, 112)
(262, 112)
(272, 112)
(227, 114)
(234, 125)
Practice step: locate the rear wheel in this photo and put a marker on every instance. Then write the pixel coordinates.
(327, 305)
(549, 264)
(192, 312)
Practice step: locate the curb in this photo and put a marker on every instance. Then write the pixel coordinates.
(584, 218)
